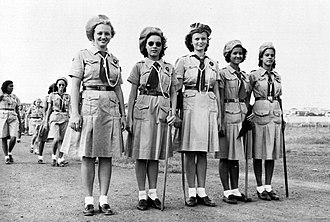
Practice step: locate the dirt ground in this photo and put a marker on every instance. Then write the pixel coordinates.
(40, 192)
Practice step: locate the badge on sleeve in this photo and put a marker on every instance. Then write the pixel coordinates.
(115, 61)
(211, 63)
(167, 69)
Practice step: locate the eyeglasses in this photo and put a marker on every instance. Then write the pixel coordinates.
(61, 84)
(158, 44)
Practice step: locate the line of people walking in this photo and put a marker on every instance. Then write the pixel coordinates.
(209, 105)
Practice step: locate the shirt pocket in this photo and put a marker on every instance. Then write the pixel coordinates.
(89, 104)
(233, 113)
(166, 80)
(261, 110)
(92, 66)
(213, 106)
(141, 108)
(188, 100)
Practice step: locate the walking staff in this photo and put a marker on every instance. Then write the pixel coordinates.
(284, 153)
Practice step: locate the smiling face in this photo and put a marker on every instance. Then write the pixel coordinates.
(10, 88)
(199, 41)
(268, 58)
(102, 36)
(154, 47)
(236, 56)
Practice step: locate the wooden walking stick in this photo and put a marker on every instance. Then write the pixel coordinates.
(168, 142)
(284, 154)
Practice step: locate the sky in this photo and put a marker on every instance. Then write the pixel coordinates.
(40, 37)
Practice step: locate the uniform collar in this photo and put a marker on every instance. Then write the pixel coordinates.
(150, 62)
(95, 50)
(232, 70)
(264, 71)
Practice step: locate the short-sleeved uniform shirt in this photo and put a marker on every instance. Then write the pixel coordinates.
(8, 116)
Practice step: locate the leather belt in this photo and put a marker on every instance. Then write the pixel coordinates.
(35, 117)
(269, 98)
(234, 100)
(153, 93)
(196, 88)
(7, 109)
(99, 88)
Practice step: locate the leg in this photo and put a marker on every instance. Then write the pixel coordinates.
(88, 174)
(234, 173)
(190, 168)
(257, 167)
(104, 173)
(5, 146)
(141, 172)
(269, 170)
(223, 172)
(152, 172)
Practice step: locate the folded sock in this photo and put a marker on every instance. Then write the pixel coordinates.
(192, 192)
(53, 157)
(103, 200)
(6, 157)
(152, 193)
(89, 200)
(236, 192)
(201, 192)
(268, 188)
(260, 189)
(40, 157)
(142, 195)
(226, 193)
(9, 154)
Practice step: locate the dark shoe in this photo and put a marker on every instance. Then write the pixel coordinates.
(206, 201)
(154, 203)
(273, 195)
(40, 161)
(191, 202)
(230, 199)
(89, 210)
(142, 205)
(264, 195)
(7, 161)
(61, 164)
(11, 159)
(31, 150)
(106, 209)
(53, 163)
(243, 198)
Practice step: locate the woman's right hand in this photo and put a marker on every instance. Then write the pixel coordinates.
(129, 125)
(75, 122)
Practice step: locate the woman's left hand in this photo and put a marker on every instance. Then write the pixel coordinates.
(123, 123)
(171, 120)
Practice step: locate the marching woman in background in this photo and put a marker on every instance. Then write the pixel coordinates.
(57, 119)
(267, 136)
(10, 120)
(34, 118)
(234, 88)
(199, 75)
(98, 114)
(150, 112)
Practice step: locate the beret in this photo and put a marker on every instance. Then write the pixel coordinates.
(199, 28)
(264, 46)
(145, 33)
(230, 46)
(62, 78)
(93, 22)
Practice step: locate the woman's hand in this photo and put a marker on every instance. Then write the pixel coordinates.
(170, 120)
(129, 125)
(75, 122)
(123, 123)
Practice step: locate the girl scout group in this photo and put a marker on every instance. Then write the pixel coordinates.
(214, 104)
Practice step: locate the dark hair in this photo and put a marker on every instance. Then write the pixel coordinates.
(188, 41)
(52, 88)
(260, 61)
(164, 46)
(57, 87)
(227, 58)
(5, 85)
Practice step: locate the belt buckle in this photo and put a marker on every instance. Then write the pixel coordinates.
(270, 98)
(103, 88)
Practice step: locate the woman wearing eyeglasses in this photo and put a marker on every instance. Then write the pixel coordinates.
(57, 119)
(98, 112)
(151, 108)
(199, 75)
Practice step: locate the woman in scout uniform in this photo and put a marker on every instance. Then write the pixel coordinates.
(98, 113)
(57, 118)
(199, 75)
(10, 120)
(234, 88)
(34, 118)
(267, 136)
(150, 112)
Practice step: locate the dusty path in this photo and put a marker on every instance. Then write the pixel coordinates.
(34, 192)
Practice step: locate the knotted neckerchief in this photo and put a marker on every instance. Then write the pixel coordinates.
(242, 91)
(271, 88)
(153, 79)
(200, 84)
(104, 69)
